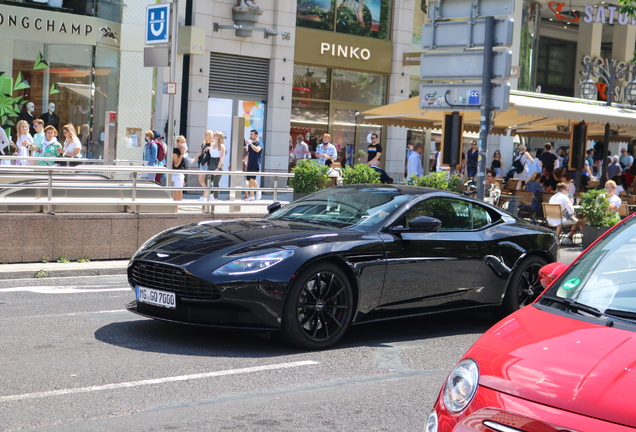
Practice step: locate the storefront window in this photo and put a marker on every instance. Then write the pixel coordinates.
(311, 82)
(309, 119)
(359, 87)
(105, 9)
(105, 98)
(354, 17)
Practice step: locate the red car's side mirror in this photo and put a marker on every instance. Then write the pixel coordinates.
(548, 273)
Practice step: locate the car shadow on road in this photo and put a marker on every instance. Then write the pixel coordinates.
(171, 338)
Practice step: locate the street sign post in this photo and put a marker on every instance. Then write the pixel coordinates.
(466, 97)
(470, 34)
(464, 65)
(157, 24)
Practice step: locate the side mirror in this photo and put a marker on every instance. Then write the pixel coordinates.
(549, 273)
(273, 207)
(426, 224)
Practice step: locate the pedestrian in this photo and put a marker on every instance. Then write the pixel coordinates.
(524, 159)
(217, 157)
(72, 144)
(150, 152)
(614, 169)
(472, 156)
(203, 159)
(325, 150)
(24, 140)
(179, 158)
(38, 139)
(567, 211)
(548, 158)
(374, 151)
(301, 150)
(497, 165)
(162, 151)
(50, 146)
(255, 154)
(414, 166)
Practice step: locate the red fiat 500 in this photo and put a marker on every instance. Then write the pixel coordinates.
(565, 363)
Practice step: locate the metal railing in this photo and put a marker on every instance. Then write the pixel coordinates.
(134, 175)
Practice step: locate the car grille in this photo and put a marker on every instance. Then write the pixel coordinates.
(174, 279)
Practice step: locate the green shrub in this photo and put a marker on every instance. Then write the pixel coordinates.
(309, 176)
(359, 174)
(439, 180)
(594, 207)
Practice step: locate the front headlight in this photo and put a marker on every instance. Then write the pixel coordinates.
(461, 386)
(252, 264)
(431, 422)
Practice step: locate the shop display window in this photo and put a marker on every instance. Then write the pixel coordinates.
(311, 82)
(368, 18)
(359, 87)
(105, 9)
(61, 84)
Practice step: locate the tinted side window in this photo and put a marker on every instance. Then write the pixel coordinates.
(481, 217)
(453, 213)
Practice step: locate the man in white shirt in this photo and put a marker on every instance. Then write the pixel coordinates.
(414, 166)
(326, 150)
(563, 200)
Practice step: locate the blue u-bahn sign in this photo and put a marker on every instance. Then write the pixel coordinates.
(157, 24)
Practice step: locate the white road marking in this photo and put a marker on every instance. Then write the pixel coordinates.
(129, 384)
(60, 289)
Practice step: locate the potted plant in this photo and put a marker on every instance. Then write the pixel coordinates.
(594, 208)
(359, 174)
(309, 176)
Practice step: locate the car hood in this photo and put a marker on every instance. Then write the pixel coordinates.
(561, 362)
(187, 243)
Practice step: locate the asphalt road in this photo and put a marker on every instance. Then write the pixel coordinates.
(72, 359)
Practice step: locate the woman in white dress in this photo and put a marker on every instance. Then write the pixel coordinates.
(25, 140)
(525, 159)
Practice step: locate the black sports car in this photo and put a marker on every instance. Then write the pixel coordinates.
(341, 256)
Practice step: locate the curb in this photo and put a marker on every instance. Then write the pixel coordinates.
(53, 270)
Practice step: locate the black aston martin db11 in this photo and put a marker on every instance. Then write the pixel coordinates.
(341, 256)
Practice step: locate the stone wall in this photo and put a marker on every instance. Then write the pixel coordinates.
(39, 237)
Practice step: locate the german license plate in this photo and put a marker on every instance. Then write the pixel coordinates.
(156, 297)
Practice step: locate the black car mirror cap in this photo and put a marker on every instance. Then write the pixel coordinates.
(425, 223)
(273, 207)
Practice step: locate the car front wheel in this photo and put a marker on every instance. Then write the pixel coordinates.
(318, 307)
(524, 286)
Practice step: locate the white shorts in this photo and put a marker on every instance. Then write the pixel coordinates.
(177, 180)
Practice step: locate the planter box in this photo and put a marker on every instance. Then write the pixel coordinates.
(591, 233)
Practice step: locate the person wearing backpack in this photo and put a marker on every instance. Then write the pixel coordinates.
(150, 152)
(161, 155)
(520, 164)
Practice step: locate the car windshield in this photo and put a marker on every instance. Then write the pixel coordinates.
(365, 209)
(605, 277)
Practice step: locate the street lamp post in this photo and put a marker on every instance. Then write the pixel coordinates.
(611, 74)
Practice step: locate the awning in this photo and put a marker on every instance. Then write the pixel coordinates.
(530, 114)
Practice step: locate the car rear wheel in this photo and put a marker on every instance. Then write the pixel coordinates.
(318, 307)
(524, 287)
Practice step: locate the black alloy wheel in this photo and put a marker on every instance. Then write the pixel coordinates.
(524, 287)
(318, 308)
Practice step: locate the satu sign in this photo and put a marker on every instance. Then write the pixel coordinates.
(158, 24)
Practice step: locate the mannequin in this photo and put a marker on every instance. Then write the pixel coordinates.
(50, 118)
(27, 116)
